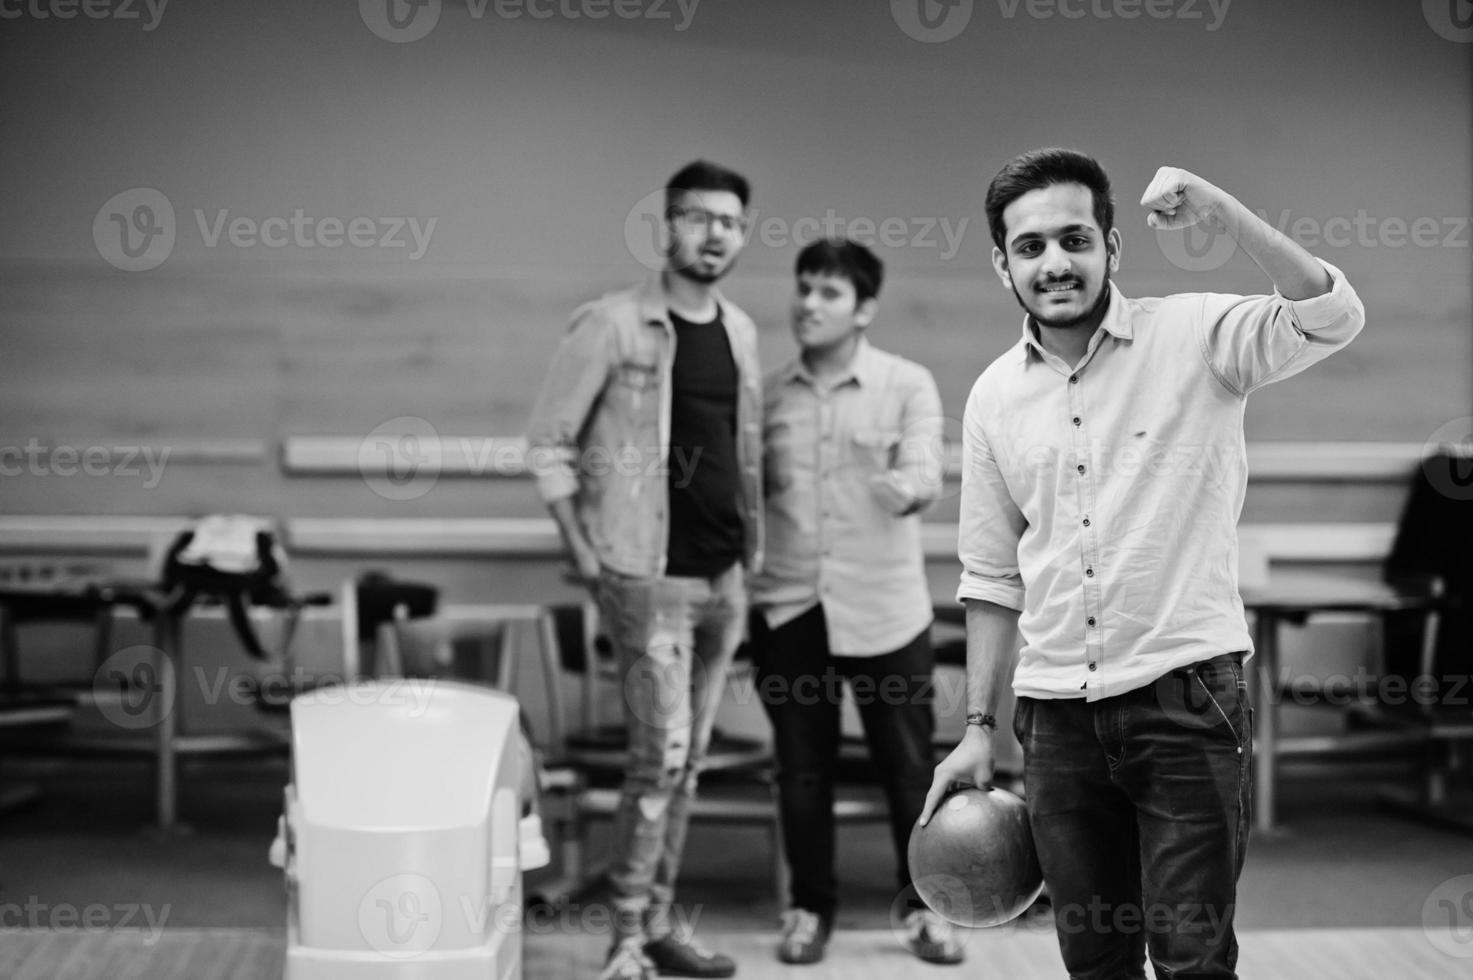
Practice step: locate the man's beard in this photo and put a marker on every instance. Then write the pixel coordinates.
(1097, 309)
(698, 275)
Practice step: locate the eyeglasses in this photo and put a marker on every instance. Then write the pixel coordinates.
(701, 220)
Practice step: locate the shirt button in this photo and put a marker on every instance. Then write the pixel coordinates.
(1076, 420)
(1089, 572)
(1091, 620)
(1086, 522)
(1074, 379)
(1081, 467)
(1093, 666)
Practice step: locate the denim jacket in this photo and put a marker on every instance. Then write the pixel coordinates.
(600, 431)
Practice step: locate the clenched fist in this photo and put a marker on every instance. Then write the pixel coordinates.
(1179, 198)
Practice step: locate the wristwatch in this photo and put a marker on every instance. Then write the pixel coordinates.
(981, 720)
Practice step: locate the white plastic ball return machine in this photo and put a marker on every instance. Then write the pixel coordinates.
(406, 832)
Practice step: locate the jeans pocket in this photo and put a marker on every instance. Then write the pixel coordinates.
(1021, 709)
(1220, 681)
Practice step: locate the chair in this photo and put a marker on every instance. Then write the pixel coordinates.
(1433, 651)
(84, 604)
(17, 711)
(375, 599)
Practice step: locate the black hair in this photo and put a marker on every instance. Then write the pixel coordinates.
(703, 175)
(841, 257)
(1038, 169)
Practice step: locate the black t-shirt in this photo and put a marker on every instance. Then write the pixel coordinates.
(705, 514)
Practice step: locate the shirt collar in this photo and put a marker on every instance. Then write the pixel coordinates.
(862, 369)
(1116, 323)
(654, 302)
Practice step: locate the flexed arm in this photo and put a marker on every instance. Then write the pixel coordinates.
(1179, 198)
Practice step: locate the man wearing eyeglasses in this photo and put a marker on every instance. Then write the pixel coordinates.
(646, 442)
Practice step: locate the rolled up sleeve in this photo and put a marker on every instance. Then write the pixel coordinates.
(1251, 341)
(991, 524)
(571, 388)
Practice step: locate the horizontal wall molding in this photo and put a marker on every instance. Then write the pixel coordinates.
(1349, 462)
(480, 537)
(538, 537)
(87, 534)
(388, 456)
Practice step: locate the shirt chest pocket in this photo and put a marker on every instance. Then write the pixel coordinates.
(873, 450)
(633, 375)
(633, 396)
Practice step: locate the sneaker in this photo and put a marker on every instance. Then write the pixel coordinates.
(932, 938)
(628, 962)
(804, 936)
(676, 955)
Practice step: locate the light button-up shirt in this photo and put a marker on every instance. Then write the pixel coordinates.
(1102, 500)
(830, 538)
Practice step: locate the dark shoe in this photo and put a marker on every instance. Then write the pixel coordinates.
(932, 938)
(682, 956)
(805, 934)
(627, 962)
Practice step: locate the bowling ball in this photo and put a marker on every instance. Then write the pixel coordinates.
(974, 864)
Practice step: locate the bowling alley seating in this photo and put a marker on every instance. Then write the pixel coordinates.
(1434, 549)
(23, 711)
(74, 600)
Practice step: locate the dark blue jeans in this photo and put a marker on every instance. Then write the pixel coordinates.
(802, 687)
(1139, 805)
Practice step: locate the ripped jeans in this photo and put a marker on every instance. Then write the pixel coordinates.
(674, 638)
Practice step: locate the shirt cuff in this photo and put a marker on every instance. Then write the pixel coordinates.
(556, 485)
(1003, 593)
(1326, 310)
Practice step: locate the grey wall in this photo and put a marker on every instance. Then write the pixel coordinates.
(530, 143)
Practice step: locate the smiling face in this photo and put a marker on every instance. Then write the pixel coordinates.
(1057, 260)
(707, 232)
(826, 316)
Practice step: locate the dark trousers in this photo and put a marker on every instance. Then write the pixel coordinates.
(1139, 806)
(801, 685)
